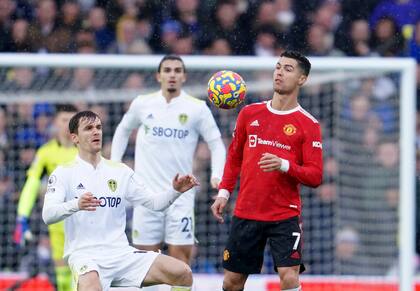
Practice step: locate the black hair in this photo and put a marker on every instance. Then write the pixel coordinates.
(172, 58)
(75, 120)
(65, 108)
(302, 61)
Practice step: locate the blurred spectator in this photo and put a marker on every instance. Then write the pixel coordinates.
(184, 45)
(9, 257)
(7, 8)
(414, 44)
(219, 47)
(186, 13)
(71, 18)
(128, 41)
(284, 14)
(44, 33)
(387, 39)
(320, 42)
(228, 24)
(20, 37)
(265, 41)
(347, 244)
(83, 79)
(134, 81)
(170, 32)
(104, 37)
(404, 12)
(20, 79)
(357, 40)
(4, 135)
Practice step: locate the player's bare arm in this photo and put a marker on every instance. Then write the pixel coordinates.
(184, 183)
(218, 208)
(270, 162)
(88, 202)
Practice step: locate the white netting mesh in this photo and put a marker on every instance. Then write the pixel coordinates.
(350, 222)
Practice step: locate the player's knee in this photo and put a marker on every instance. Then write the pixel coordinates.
(184, 275)
(231, 284)
(289, 278)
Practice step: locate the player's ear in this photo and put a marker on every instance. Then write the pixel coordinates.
(302, 79)
(74, 138)
(158, 77)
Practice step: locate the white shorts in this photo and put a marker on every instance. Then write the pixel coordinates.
(174, 226)
(123, 269)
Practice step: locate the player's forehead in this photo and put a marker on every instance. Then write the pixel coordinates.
(86, 121)
(171, 64)
(283, 61)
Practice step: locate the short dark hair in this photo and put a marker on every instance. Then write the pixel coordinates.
(172, 58)
(65, 108)
(302, 61)
(75, 120)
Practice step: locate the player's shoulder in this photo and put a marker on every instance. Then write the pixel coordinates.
(52, 144)
(307, 116)
(193, 101)
(116, 166)
(254, 107)
(146, 97)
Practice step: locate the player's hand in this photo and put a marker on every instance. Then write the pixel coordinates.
(269, 162)
(88, 202)
(218, 207)
(22, 233)
(215, 183)
(184, 183)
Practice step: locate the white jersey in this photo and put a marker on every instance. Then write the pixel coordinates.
(167, 138)
(115, 185)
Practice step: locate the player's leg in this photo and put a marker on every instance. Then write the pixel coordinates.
(234, 281)
(244, 252)
(89, 282)
(170, 271)
(86, 273)
(181, 252)
(179, 232)
(148, 229)
(285, 243)
(62, 271)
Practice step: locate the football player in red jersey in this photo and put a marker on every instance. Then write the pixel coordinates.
(276, 146)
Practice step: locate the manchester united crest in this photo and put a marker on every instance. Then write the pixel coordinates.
(226, 255)
(289, 129)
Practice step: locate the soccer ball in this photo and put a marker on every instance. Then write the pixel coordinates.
(226, 89)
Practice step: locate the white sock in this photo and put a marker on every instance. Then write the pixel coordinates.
(180, 288)
(150, 288)
(294, 289)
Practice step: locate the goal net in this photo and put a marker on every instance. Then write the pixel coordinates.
(359, 222)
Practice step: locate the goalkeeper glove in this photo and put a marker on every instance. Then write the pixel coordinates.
(22, 232)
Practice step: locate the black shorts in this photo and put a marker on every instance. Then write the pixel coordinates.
(244, 252)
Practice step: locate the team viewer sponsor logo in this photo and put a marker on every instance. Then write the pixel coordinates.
(254, 140)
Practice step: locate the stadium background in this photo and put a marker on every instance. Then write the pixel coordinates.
(192, 27)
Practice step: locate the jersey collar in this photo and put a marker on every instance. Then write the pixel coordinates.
(89, 165)
(175, 99)
(281, 112)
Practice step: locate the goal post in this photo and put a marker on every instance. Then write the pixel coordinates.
(328, 95)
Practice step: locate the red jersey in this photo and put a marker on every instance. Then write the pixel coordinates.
(292, 135)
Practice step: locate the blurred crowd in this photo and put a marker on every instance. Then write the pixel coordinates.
(212, 27)
(350, 222)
